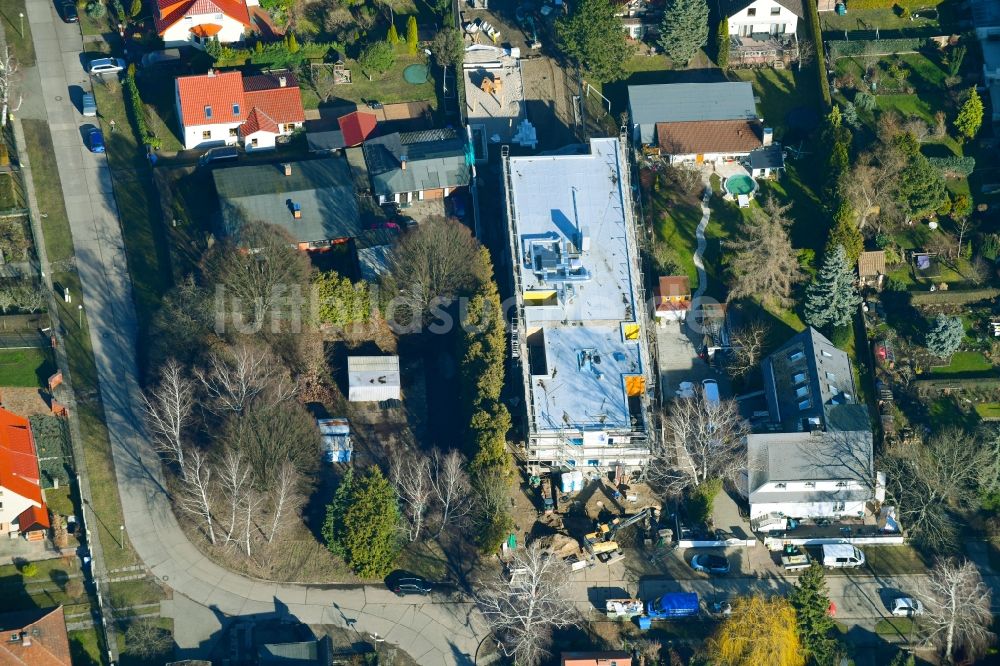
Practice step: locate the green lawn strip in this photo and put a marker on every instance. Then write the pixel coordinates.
(8, 196)
(964, 362)
(125, 594)
(47, 569)
(988, 411)
(675, 223)
(60, 500)
(17, 30)
(85, 647)
(424, 558)
(894, 560)
(883, 18)
(45, 176)
(897, 626)
(26, 367)
(781, 91)
(390, 88)
(157, 93)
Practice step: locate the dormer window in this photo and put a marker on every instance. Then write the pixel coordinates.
(781, 486)
(827, 354)
(802, 392)
(841, 484)
(236, 109)
(798, 377)
(831, 376)
(804, 404)
(810, 484)
(796, 356)
(208, 111)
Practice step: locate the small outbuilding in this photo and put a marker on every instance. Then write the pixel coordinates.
(871, 269)
(673, 298)
(373, 378)
(336, 434)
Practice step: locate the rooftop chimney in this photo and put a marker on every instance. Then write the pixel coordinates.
(768, 136)
(402, 162)
(211, 72)
(25, 639)
(282, 81)
(287, 166)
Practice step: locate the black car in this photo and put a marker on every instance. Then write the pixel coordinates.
(410, 585)
(374, 104)
(69, 13)
(710, 564)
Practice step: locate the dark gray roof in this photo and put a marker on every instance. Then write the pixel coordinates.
(810, 456)
(434, 159)
(768, 157)
(730, 7)
(306, 653)
(807, 381)
(682, 102)
(322, 188)
(325, 142)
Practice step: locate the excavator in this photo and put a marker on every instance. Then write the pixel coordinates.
(601, 542)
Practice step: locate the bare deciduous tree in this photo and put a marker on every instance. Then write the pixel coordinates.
(234, 379)
(871, 185)
(253, 500)
(747, 346)
(195, 497)
(702, 439)
(266, 434)
(285, 499)
(958, 605)
(411, 476)
(8, 70)
(763, 264)
(168, 411)
(523, 611)
(451, 485)
(147, 641)
(234, 484)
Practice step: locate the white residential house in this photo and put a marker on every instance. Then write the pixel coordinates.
(762, 17)
(226, 108)
(197, 22)
(22, 502)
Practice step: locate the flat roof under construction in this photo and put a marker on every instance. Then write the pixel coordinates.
(571, 236)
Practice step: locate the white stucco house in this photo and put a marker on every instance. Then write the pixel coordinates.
(226, 108)
(22, 502)
(761, 17)
(196, 22)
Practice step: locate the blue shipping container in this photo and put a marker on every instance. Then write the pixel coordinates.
(675, 604)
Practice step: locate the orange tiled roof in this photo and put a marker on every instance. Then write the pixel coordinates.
(47, 644)
(18, 458)
(284, 105)
(206, 30)
(708, 136)
(171, 11)
(258, 121)
(218, 91)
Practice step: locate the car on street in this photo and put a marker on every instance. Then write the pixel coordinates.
(907, 607)
(69, 13)
(88, 105)
(106, 66)
(95, 141)
(410, 585)
(710, 564)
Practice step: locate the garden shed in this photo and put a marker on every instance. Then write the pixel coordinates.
(373, 378)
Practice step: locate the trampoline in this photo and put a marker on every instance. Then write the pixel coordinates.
(416, 74)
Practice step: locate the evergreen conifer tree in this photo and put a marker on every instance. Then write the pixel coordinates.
(831, 298)
(811, 602)
(684, 29)
(845, 232)
(411, 35)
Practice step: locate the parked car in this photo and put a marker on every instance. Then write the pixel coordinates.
(711, 388)
(710, 564)
(673, 605)
(95, 141)
(907, 607)
(88, 105)
(410, 585)
(69, 13)
(164, 57)
(373, 104)
(219, 154)
(842, 556)
(106, 66)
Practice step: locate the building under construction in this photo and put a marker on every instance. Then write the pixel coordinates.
(579, 330)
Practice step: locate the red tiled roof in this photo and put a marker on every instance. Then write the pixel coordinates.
(708, 136)
(257, 121)
(34, 518)
(18, 457)
(283, 105)
(172, 11)
(47, 644)
(219, 91)
(356, 127)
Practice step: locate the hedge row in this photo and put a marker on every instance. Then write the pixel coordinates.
(276, 55)
(855, 5)
(817, 34)
(926, 386)
(842, 48)
(959, 166)
(138, 112)
(957, 297)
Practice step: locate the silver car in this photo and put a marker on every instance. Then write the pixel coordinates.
(106, 66)
(88, 106)
(907, 607)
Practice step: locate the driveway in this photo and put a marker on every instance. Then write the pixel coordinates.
(431, 632)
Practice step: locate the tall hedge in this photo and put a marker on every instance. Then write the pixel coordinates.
(817, 34)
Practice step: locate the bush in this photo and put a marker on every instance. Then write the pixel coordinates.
(52, 440)
(841, 49)
(701, 501)
(29, 570)
(841, 336)
(137, 111)
(954, 167)
(954, 297)
(96, 10)
(817, 37)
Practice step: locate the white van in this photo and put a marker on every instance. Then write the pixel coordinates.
(711, 388)
(842, 556)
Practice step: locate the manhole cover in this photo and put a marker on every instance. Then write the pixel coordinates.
(58, 98)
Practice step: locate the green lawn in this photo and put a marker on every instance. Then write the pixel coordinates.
(60, 500)
(135, 593)
(161, 109)
(883, 18)
(780, 91)
(17, 32)
(26, 367)
(8, 194)
(964, 362)
(894, 560)
(390, 88)
(85, 647)
(897, 626)
(988, 411)
(675, 226)
(129, 659)
(45, 176)
(46, 589)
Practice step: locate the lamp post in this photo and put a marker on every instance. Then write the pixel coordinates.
(79, 309)
(121, 533)
(20, 15)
